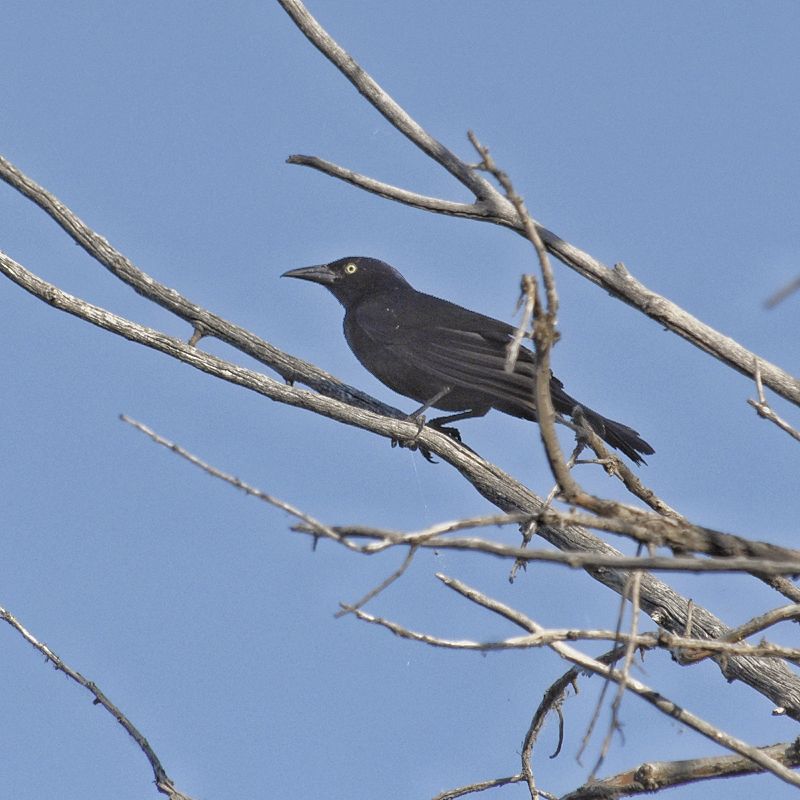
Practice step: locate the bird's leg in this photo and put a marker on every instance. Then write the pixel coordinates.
(418, 415)
(439, 425)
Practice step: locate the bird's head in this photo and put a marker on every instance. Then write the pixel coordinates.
(352, 278)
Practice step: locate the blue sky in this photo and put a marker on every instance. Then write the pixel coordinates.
(661, 136)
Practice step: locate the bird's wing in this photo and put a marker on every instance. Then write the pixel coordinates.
(459, 347)
(470, 360)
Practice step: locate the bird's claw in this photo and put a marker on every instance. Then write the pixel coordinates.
(426, 454)
(420, 420)
(413, 443)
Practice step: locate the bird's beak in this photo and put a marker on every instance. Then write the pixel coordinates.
(321, 273)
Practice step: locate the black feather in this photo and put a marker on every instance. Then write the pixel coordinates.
(418, 345)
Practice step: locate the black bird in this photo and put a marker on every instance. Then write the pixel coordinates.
(440, 354)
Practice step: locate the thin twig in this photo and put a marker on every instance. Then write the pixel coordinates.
(482, 786)
(529, 529)
(319, 528)
(381, 100)
(763, 621)
(163, 782)
(544, 637)
(614, 725)
(351, 607)
(783, 293)
(553, 699)
(652, 697)
(752, 626)
(765, 411)
(384, 540)
(617, 281)
(390, 192)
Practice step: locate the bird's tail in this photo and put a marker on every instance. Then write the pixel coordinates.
(620, 436)
(613, 433)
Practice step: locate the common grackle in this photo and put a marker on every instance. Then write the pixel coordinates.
(440, 354)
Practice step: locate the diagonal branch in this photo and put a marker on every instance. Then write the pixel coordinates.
(617, 281)
(392, 427)
(664, 605)
(204, 322)
(653, 776)
(659, 701)
(163, 782)
(764, 411)
(369, 88)
(389, 192)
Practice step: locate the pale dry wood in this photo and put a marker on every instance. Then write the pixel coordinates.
(490, 206)
(657, 700)
(163, 782)
(659, 601)
(653, 776)
(765, 411)
(354, 396)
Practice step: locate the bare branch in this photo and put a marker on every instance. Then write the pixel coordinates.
(380, 100)
(398, 573)
(662, 603)
(782, 561)
(547, 636)
(482, 786)
(765, 412)
(634, 586)
(616, 466)
(204, 322)
(389, 192)
(553, 699)
(652, 697)
(388, 426)
(318, 527)
(617, 281)
(384, 539)
(759, 623)
(763, 621)
(782, 293)
(652, 776)
(163, 782)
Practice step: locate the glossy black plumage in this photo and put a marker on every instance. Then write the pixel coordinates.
(420, 346)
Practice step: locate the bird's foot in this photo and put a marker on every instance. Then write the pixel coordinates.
(413, 442)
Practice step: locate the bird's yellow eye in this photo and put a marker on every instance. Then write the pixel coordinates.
(350, 268)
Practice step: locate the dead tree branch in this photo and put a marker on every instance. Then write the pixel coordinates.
(491, 206)
(653, 776)
(163, 782)
(657, 700)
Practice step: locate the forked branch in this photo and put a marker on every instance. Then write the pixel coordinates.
(491, 206)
